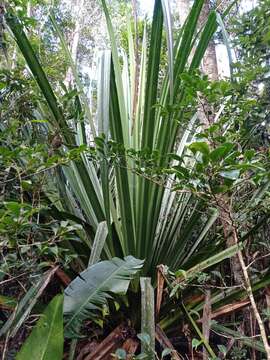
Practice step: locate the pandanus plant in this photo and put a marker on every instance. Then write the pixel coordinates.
(143, 219)
(126, 214)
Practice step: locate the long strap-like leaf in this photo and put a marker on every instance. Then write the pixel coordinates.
(117, 76)
(143, 225)
(39, 74)
(122, 180)
(152, 77)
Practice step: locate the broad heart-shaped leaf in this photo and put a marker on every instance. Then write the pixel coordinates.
(91, 289)
(46, 341)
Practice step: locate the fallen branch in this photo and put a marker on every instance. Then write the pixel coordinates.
(228, 309)
(87, 349)
(110, 344)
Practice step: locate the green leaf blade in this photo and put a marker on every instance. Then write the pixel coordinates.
(94, 286)
(47, 339)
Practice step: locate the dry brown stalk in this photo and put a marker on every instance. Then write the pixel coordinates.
(160, 287)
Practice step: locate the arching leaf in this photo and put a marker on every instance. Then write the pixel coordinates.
(91, 289)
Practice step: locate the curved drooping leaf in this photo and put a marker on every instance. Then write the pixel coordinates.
(39, 74)
(166, 8)
(83, 173)
(46, 341)
(91, 289)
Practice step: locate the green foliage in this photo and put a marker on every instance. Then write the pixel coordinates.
(46, 341)
(135, 229)
(148, 184)
(252, 72)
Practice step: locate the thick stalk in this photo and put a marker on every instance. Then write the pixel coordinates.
(208, 67)
(148, 316)
(206, 115)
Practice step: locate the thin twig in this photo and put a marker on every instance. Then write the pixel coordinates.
(251, 296)
(5, 346)
(13, 278)
(260, 258)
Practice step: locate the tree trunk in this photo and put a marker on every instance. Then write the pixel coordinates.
(206, 116)
(209, 63)
(75, 39)
(183, 10)
(29, 8)
(210, 68)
